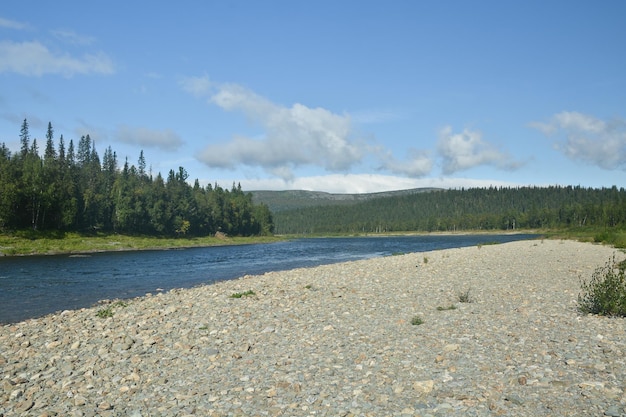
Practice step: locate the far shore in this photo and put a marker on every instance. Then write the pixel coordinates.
(77, 244)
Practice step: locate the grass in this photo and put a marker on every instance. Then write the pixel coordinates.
(465, 297)
(44, 243)
(242, 294)
(605, 293)
(613, 237)
(107, 312)
(417, 320)
(450, 307)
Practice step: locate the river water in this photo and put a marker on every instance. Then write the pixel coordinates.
(34, 286)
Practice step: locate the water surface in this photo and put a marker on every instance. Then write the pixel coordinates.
(33, 286)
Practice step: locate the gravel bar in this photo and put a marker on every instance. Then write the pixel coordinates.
(337, 340)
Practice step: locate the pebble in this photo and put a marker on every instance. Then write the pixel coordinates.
(337, 340)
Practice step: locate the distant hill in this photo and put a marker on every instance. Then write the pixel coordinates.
(428, 210)
(295, 199)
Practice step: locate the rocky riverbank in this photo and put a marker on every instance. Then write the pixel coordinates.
(337, 340)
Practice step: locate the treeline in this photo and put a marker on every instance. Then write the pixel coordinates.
(465, 209)
(72, 189)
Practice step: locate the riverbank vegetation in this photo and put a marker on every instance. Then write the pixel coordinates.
(73, 190)
(29, 242)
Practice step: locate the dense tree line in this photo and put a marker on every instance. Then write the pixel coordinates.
(72, 189)
(465, 209)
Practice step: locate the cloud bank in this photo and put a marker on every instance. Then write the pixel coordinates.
(588, 139)
(298, 136)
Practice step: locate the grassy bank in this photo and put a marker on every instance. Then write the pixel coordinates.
(37, 243)
(34, 243)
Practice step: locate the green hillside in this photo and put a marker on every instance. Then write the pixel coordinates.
(278, 201)
(453, 210)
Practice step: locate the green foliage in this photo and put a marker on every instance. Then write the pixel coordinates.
(78, 192)
(489, 209)
(242, 294)
(105, 313)
(605, 292)
(417, 320)
(450, 307)
(108, 311)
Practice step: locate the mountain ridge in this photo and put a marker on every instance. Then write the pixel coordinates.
(294, 199)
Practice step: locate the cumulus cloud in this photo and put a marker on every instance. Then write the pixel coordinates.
(32, 58)
(293, 136)
(166, 140)
(417, 164)
(588, 139)
(465, 150)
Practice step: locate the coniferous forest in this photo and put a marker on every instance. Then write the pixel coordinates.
(69, 188)
(489, 209)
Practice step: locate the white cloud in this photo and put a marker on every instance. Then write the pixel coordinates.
(588, 139)
(198, 86)
(164, 139)
(35, 59)
(12, 24)
(293, 136)
(465, 150)
(417, 164)
(359, 183)
(73, 37)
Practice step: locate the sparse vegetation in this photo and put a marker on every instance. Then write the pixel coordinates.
(450, 307)
(108, 311)
(425, 260)
(104, 313)
(417, 320)
(242, 294)
(480, 245)
(605, 292)
(465, 297)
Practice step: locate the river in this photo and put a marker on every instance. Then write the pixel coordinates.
(34, 286)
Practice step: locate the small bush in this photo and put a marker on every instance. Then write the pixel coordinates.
(450, 307)
(416, 321)
(605, 292)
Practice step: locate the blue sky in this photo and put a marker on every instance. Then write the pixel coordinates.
(337, 96)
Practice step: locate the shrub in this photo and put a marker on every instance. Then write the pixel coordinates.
(605, 292)
(416, 321)
(450, 307)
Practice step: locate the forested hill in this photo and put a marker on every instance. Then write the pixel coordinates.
(296, 199)
(465, 209)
